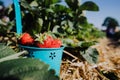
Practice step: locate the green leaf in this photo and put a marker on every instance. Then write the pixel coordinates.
(34, 3)
(68, 42)
(90, 55)
(49, 2)
(25, 4)
(56, 29)
(90, 6)
(5, 51)
(38, 25)
(20, 65)
(49, 10)
(84, 45)
(50, 75)
(73, 4)
(60, 8)
(25, 69)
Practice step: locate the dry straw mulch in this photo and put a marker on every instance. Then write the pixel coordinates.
(109, 61)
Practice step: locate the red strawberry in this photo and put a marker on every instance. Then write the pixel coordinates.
(46, 43)
(56, 43)
(26, 39)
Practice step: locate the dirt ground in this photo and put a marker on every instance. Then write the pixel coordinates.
(109, 61)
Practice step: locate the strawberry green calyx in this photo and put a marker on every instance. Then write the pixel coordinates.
(39, 38)
(42, 37)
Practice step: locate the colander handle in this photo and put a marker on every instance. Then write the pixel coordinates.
(18, 16)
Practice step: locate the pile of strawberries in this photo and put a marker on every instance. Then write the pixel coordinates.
(41, 40)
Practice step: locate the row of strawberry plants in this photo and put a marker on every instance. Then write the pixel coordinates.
(64, 21)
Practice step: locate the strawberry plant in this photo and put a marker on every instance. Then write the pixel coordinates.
(40, 16)
(67, 22)
(22, 68)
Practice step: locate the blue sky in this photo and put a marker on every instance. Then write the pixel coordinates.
(107, 8)
(7, 2)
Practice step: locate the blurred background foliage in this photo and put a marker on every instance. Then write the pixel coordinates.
(67, 22)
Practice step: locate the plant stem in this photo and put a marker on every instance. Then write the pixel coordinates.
(49, 26)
